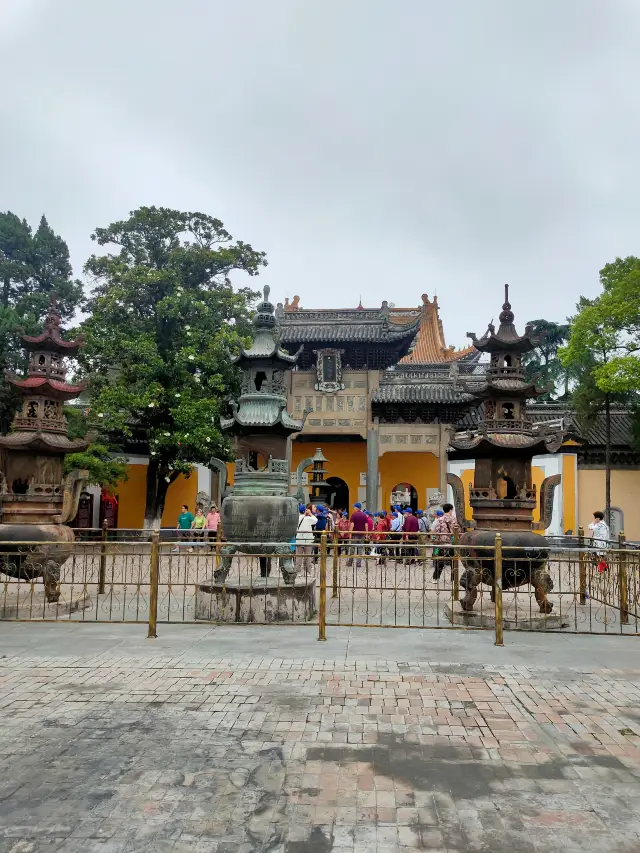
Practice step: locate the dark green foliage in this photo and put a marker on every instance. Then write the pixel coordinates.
(543, 364)
(164, 324)
(33, 268)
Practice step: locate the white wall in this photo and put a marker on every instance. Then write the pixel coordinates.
(550, 463)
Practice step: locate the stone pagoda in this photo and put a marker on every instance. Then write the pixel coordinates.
(505, 440)
(35, 498)
(259, 516)
(503, 444)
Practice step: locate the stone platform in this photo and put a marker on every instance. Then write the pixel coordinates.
(262, 600)
(512, 619)
(22, 602)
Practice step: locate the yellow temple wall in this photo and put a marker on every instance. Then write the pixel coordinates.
(625, 493)
(345, 460)
(131, 496)
(419, 469)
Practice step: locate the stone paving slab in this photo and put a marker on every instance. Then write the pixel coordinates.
(143, 747)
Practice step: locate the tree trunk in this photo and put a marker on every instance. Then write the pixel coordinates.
(157, 487)
(607, 459)
(6, 291)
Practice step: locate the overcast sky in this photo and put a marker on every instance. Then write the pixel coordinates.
(383, 148)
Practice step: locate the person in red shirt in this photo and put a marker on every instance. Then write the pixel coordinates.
(359, 527)
(411, 528)
(381, 535)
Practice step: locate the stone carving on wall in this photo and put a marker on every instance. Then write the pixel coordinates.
(329, 370)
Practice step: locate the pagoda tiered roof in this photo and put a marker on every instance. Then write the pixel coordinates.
(506, 339)
(46, 386)
(50, 338)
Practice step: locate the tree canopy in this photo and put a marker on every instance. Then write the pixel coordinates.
(604, 347)
(543, 363)
(33, 268)
(164, 322)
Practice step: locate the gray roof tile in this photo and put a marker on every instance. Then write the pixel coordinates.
(425, 393)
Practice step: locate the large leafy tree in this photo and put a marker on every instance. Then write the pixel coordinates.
(603, 349)
(543, 363)
(34, 266)
(164, 323)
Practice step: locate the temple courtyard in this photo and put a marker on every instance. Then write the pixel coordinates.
(248, 738)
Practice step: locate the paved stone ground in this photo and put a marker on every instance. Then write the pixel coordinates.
(239, 740)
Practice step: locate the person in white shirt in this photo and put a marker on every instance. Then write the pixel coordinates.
(600, 533)
(304, 538)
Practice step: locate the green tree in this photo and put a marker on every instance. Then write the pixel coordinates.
(164, 323)
(103, 462)
(33, 268)
(543, 363)
(602, 349)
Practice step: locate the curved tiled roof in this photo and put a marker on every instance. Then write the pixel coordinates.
(421, 325)
(594, 433)
(345, 332)
(430, 346)
(425, 393)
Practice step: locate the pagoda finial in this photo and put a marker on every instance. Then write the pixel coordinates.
(266, 291)
(506, 315)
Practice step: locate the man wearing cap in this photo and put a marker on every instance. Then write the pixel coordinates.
(359, 527)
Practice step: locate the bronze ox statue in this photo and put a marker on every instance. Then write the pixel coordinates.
(524, 560)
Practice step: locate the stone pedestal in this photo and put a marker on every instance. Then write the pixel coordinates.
(23, 602)
(262, 600)
(513, 620)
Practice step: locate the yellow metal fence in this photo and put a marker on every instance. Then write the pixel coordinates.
(383, 583)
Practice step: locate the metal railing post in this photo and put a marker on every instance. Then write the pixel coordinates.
(582, 563)
(622, 581)
(153, 584)
(455, 567)
(497, 562)
(218, 541)
(102, 575)
(334, 564)
(322, 614)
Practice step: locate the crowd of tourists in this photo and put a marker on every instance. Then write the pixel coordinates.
(398, 534)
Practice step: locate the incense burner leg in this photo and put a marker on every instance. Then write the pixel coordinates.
(287, 565)
(469, 582)
(51, 581)
(226, 554)
(542, 586)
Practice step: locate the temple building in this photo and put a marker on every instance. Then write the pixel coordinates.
(384, 395)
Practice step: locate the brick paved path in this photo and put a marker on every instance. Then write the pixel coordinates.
(130, 753)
